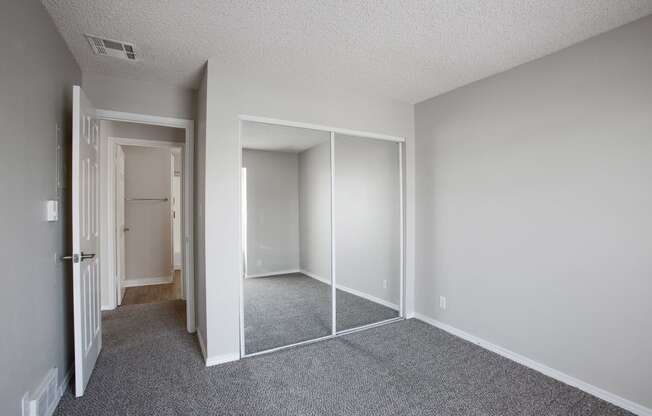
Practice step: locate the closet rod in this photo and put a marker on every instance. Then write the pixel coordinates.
(147, 199)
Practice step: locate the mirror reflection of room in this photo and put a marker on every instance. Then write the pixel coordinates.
(313, 199)
(286, 235)
(367, 220)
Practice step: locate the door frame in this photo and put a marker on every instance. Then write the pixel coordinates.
(113, 144)
(180, 202)
(187, 191)
(112, 199)
(400, 141)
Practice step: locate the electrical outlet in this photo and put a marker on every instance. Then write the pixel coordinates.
(442, 302)
(384, 284)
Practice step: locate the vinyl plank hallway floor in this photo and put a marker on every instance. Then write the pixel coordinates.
(150, 365)
(154, 293)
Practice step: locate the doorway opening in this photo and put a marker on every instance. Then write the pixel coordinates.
(147, 214)
(147, 199)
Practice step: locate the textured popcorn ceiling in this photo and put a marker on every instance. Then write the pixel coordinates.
(409, 50)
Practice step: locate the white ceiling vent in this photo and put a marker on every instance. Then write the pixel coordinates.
(110, 47)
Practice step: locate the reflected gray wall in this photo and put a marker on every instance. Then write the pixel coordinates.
(366, 215)
(37, 73)
(272, 211)
(315, 211)
(533, 210)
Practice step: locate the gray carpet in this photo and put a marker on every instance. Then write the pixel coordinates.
(286, 309)
(151, 366)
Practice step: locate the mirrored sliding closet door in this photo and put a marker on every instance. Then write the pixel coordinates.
(286, 233)
(367, 230)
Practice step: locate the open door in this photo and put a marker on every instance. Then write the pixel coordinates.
(121, 228)
(85, 238)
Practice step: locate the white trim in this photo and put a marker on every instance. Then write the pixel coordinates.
(111, 115)
(283, 347)
(326, 337)
(626, 404)
(401, 231)
(170, 206)
(310, 126)
(147, 281)
(220, 359)
(243, 218)
(315, 276)
(333, 281)
(63, 386)
(371, 298)
(271, 274)
(354, 291)
(159, 144)
(368, 326)
(242, 240)
(188, 226)
(187, 213)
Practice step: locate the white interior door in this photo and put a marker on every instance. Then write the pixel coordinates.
(121, 228)
(85, 234)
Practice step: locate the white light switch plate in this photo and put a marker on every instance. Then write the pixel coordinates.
(52, 210)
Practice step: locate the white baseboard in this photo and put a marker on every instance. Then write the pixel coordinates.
(107, 307)
(315, 276)
(146, 281)
(369, 297)
(269, 274)
(220, 359)
(353, 291)
(542, 368)
(63, 386)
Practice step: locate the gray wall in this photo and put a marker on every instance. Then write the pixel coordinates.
(272, 211)
(533, 210)
(367, 217)
(148, 244)
(198, 207)
(118, 94)
(145, 131)
(315, 210)
(37, 73)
